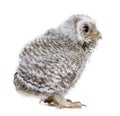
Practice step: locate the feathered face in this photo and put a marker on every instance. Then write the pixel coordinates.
(81, 28)
(86, 29)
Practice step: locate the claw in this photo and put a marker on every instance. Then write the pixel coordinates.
(68, 100)
(80, 103)
(72, 104)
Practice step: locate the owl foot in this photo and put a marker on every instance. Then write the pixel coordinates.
(71, 104)
(60, 102)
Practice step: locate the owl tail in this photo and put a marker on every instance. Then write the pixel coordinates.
(17, 81)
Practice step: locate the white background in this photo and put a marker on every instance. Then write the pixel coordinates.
(99, 87)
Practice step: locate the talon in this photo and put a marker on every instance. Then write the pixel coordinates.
(68, 100)
(40, 101)
(76, 105)
(84, 105)
(78, 102)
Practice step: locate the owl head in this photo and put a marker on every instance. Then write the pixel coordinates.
(80, 28)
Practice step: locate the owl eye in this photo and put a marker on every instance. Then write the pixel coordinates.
(85, 28)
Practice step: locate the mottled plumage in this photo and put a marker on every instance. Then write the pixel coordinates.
(51, 64)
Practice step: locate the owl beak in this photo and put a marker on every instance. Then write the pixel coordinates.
(95, 35)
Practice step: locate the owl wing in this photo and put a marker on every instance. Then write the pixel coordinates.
(49, 64)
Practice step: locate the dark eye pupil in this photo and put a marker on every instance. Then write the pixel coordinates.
(85, 28)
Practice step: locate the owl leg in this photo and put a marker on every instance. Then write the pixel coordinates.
(60, 102)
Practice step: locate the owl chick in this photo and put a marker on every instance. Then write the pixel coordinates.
(51, 64)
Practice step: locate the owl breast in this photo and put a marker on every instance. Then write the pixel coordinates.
(49, 65)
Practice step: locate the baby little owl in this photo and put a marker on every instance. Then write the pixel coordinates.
(52, 63)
